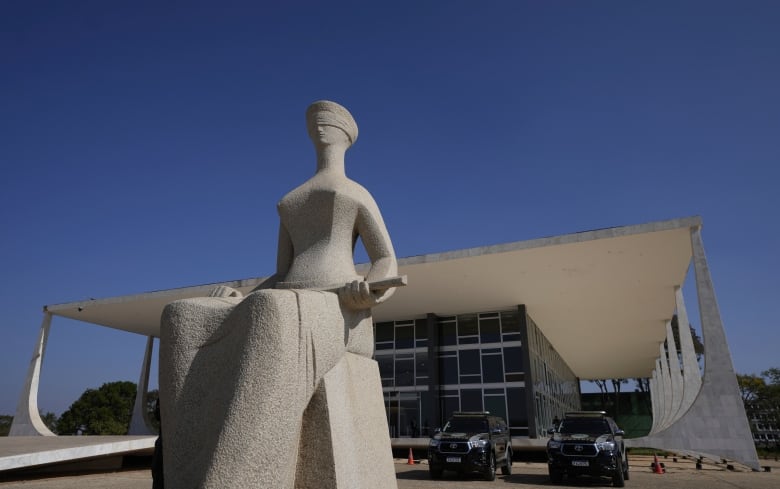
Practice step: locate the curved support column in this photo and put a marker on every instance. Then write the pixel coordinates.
(715, 425)
(666, 380)
(690, 366)
(140, 424)
(675, 374)
(27, 420)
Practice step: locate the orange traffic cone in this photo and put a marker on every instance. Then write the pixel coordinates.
(411, 457)
(657, 465)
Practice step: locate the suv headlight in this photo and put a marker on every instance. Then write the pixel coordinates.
(434, 443)
(478, 443)
(553, 445)
(606, 445)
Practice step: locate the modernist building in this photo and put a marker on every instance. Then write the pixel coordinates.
(512, 329)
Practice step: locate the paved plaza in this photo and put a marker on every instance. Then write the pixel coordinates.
(681, 474)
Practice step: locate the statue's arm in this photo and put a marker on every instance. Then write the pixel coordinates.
(376, 240)
(284, 258)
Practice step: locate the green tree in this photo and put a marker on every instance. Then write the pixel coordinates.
(761, 395)
(5, 424)
(750, 387)
(152, 397)
(50, 420)
(102, 411)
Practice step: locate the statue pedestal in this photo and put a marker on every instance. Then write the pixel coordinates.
(344, 437)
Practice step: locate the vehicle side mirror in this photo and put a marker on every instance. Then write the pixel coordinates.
(497, 431)
(620, 433)
(551, 431)
(436, 431)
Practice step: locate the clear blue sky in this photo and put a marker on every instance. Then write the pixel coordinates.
(144, 145)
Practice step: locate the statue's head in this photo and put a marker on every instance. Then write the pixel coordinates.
(327, 113)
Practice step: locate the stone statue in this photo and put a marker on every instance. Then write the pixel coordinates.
(277, 389)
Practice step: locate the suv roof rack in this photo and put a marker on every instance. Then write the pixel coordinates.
(583, 414)
(470, 413)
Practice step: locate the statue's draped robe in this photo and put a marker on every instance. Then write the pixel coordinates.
(239, 376)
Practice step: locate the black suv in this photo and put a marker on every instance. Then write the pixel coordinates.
(587, 443)
(471, 442)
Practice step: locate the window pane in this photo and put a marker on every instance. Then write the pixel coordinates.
(471, 399)
(513, 359)
(404, 337)
(492, 369)
(422, 364)
(518, 414)
(421, 329)
(385, 367)
(467, 325)
(469, 362)
(448, 370)
(384, 331)
(447, 332)
(448, 406)
(409, 415)
(496, 405)
(404, 372)
(510, 321)
(489, 330)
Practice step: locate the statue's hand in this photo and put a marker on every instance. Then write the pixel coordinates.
(224, 291)
(356, 295)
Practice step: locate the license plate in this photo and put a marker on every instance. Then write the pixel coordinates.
(453, 460)
(580, 463)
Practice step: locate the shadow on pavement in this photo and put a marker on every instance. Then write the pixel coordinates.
(413, 475)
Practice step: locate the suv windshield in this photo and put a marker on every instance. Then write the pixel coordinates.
(594, 426)
(466, 425)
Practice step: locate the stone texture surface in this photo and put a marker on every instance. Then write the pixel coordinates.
(253, 389)
(345, 443)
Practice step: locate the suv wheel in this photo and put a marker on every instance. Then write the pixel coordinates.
(617, 479)
(556, 476)
(490, 472)
(507, 469)
(625, 468)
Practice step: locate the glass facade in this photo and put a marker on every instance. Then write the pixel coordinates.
(555, 389)
(473, 362)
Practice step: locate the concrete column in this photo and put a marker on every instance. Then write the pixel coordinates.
(691, 373)
(716, 425)
(661, 396)
(27, 420)
(666, 379)
(434, 413)
(530, 393)
(675, 374)
(654, 401)
(140, 424)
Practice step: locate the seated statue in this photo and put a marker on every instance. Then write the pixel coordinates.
(245, 382)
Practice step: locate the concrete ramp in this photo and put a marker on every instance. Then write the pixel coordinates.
(22, 452)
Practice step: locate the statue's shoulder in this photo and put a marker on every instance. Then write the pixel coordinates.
(358, 191)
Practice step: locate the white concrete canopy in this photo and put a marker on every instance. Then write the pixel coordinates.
(611, 290)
